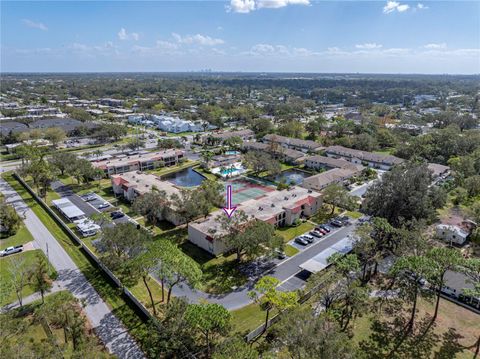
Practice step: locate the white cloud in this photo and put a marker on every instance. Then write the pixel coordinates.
(421, 6)
(436, 46)
(392, 6)
(198, 39)
(368, 46)
(241, 6)
(167, 45)
(246, 6)
(34, 24)
(124, 35)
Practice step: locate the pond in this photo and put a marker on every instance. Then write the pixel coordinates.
(185, 178)
(293, 176)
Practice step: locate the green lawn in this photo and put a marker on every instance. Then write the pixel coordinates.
(21, 237)
(167, 170)
(208, 175)
(124, 311)
(353, 214)
(288, 233)
(246, 319)
(290, 250)
(27, 260)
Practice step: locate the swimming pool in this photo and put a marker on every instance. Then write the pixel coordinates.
(187, 177)
(236, 169)
(232, 152)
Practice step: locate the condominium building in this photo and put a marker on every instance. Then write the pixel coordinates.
(334, 176)
(140, 162)
(375, 160)
(280, 153)
(220, 137)
(279, 208)
(130, 185)
(293, 143)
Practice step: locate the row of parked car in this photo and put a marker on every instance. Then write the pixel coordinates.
(317, 232)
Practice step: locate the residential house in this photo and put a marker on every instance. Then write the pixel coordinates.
(452, 233)
(456, 284)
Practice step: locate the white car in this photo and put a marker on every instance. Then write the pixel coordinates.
(11, 250)
(103, 205)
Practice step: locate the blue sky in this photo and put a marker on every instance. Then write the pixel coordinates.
(242, 35)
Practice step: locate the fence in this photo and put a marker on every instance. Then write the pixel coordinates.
(254, 334)
(133, 300)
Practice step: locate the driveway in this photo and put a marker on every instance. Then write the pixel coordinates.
(287, 271)
(90, 207)
(108, 328)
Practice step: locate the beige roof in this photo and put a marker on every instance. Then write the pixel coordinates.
(438, 169)
(261, 208)
(143, 182)
(259, 146)
(144, 157)
(323, 179)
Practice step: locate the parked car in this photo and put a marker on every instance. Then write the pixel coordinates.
(301, 240)
(280, 254)
(117, 214)
(11, 250)
(308, 238)
(89, 198)
(317, 234)
(336, 223)
(321, 230)
(103, 205)
(325, 228)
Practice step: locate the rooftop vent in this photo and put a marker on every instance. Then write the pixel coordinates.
(285, 198)
(310, 191)
(273, 204)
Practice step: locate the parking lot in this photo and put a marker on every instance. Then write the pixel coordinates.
(88, 207)
(302, 247)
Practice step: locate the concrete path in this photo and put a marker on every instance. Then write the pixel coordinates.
(109, 329)
(56, 287)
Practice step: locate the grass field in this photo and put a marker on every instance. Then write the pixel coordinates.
(288, 233)
(123, 310)
(26, 260)
(465, 322)
(21, 237)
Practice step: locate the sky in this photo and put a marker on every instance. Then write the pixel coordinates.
(241, 35)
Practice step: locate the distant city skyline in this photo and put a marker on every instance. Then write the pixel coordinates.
(431, 37)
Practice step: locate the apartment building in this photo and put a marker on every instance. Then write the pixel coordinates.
(140, 162)
(334, 176)
(280, 153)
(130, 185)
(293, 143)
(375, 160)
(279, 208)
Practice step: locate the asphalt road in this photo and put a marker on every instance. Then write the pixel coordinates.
(287, 271)
(106, 325)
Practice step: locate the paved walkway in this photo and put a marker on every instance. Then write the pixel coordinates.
(109, 329)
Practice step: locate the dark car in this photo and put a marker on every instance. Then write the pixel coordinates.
(117, 214)
(336, 223)
(325, 228)
(280, 254)
(301, 240)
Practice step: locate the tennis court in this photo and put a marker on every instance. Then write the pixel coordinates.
(246, 188)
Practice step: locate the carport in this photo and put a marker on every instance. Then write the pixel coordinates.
(320, 261)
